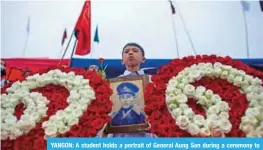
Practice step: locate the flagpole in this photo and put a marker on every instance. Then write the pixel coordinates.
(174, 27)
(72, 53)
(66, 47)
(175, 36)
(24, 50)
(246, 32)
(186, 30)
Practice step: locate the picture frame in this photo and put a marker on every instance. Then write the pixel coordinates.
(123, 121)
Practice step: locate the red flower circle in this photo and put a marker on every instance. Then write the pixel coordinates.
(162, 123)
(92, 120)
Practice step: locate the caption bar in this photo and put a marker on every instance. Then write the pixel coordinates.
(154, 143)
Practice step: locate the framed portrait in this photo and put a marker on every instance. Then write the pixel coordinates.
(128, 104)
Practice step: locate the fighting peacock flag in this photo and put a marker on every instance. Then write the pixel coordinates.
(83, 30)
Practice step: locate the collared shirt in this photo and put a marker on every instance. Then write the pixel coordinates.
(128, 73)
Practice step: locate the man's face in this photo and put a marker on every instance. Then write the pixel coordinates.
(126, 100)
(132, 56)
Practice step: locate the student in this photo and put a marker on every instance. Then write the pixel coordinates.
(132, 57)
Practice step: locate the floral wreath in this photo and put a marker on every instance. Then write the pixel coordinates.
(66, 103)
(177, 102)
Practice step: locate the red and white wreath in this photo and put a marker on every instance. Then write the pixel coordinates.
(58, 103)
(206, 96)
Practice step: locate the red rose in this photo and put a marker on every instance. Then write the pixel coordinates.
(101, 60)
(98, 123)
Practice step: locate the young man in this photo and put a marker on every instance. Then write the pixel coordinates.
(132, 57)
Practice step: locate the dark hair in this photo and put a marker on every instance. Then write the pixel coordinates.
(134, 44)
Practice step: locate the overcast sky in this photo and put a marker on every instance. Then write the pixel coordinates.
(215, 27)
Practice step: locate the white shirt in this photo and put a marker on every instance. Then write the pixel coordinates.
(128, 73)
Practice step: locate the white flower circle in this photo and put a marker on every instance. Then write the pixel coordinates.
(81, 94)
(216, 109)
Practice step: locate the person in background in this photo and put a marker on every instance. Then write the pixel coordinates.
(3, 74)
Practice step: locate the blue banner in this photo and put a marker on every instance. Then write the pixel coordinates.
(155, 143)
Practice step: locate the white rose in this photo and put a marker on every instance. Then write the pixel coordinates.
(217, 72)
(213, 110)
(63, 129)
(189, 90)
(205, 132)
(51, 132)
(208, 102)
(201, 100)
(217, 133)
(172, 106)
(256, 81)
(251, 95)
(217, 65)
(181, 98)
(26, 125)
(249, 120)
(183, 106)
(185, 80)
(78, 112)
(248, 89)
(196, 75)
(170, 98)
(200, 89)
(209, 93)
(216, 98)
(224, 75)
(170, 89)
(177, 112)
(247, 128)
(188, 112)
(35, 117)
(173, 82)
(223, 106)
(181, 86)
(91, 94)
(199, 120)
(182, 122)
(16, 133)
(260, 131)
(193, 129)
(73, 121)
(208, 71)
(213, 124)
(4, 135)
(225, 126)
(10, 120)
(238, 81)
(224, 115)
(253, 133)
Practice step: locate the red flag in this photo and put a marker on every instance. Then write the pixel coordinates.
(83, 30)
(64, 37)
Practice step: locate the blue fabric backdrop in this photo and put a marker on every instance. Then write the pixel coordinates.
(115, 68)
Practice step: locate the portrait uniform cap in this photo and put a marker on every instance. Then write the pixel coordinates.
(127, 88)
